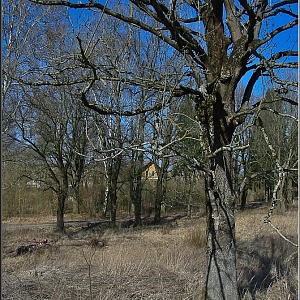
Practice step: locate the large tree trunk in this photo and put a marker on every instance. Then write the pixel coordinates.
(158, 200)
(138, 191)
(113, 188)
(138, 175)
(221, 280)
(221, 277)
(136, 187)
(62, 194)
(160, 189)
(113, 207)
(76, 200)
(138, 202)
(243, 199)
(136, 198)
(61, 197)
(113, 198)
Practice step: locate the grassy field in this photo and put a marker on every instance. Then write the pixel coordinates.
(152, 262)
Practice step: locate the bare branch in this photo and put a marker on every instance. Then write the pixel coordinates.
(277, 31)
(278, 231)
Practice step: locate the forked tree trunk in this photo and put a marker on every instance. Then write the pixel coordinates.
(221, 281)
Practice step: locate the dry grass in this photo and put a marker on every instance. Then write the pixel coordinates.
(196, 236)
(149, 263)
(267, 264)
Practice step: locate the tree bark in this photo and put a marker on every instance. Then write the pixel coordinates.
(62, 194)
(138, 176)
(106, 197)
(77, 200)
(289, 194)
(160, 189)
(138, 202)
(113, 207)
(281, 207)
(158, 200)
(136, 198)
(113, 187)
(221, 278)
(61, 197)
(243, 197)
(137, 189)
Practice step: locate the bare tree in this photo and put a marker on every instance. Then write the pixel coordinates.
(189, 161)
(108, 150)
(136, 167)
(80, 127)
(42, 130)
(163, 137)
(275, 125)
(255, 162)
(224, 43)
(43, 118)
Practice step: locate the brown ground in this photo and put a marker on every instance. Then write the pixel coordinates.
(152, 262)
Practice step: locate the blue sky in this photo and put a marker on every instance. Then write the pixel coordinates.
(280, 42)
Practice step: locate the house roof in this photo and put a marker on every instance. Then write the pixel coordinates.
(149, 164)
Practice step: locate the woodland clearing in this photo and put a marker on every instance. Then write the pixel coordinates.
(151, 262)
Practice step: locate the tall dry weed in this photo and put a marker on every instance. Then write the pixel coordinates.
(196, 237)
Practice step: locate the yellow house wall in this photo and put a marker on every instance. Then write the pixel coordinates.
(149, 171)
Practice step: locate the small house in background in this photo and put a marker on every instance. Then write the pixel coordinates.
(150, 171)
(34, 184)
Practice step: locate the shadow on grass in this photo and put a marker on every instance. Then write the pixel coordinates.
(125, 224)
(265, 261)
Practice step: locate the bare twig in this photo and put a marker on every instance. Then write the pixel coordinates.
(277, 230)
(88, 261)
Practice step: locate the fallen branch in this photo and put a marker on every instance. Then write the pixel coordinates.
(29, 248)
